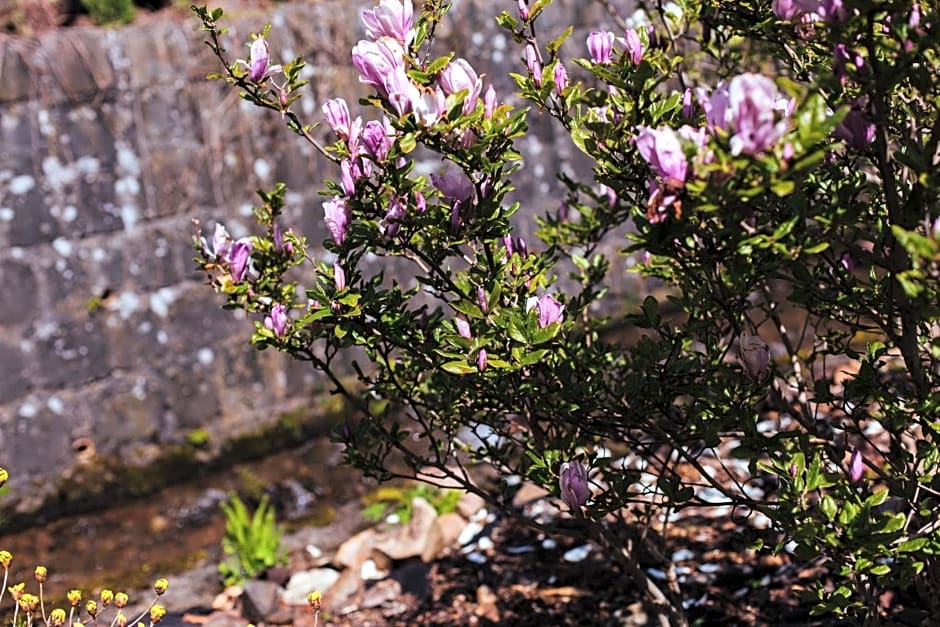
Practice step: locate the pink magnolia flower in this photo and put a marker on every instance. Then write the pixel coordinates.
(481, 360)
(239, 258)
(856, 129)
(377, 138)
(550, 310)
(453, 184)
(661, 149)
(482, 302)
(755, 357)
(259, 61)
(828, 10)
(339, 276)
(748, 107)
(336, 114)
(277, 320)
(463, 327)
(393, 19)
(856, 466)
(221, 243)
(634, 46)
(375, 60)
(336, 214)
(561, 78)
(533, 64)
(391, 223)
(573, 484)
(460, 76)
(489, 102)
(688, 105)
(601, 46)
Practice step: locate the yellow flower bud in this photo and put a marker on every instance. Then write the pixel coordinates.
(160, 586)
(157, 612)
(314, 599)
(40, 573)
(5, 558)
(16, 591)
(74, 597)
(91, 606)
(29, 602)
(106, 597)
(120, 599)
(120, 620)
(57, 617)
(4, 476)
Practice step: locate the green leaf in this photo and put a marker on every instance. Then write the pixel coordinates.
(459, 367)
(880, 569)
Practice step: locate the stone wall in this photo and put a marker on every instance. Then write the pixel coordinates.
(111, 346)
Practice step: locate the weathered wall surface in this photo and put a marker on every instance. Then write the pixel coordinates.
(112, 142)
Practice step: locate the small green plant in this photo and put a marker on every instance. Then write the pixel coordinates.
(110, 11)
(198, 438)
(396, 501)
(252, 542)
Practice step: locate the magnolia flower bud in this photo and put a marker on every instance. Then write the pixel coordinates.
(489, 102)
(561, 78)
(755, 356)
(463, 327)
(277, 322)
(573, 482)
(481, 360)
(856, 466)
(601, 46)
(523, 9)
(533, 64)
(634, 46)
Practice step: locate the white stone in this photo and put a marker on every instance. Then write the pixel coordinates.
(302, 583)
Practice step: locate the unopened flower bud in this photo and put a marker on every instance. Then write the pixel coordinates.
(16, 590)
(755, 357)
(489, 102)
(314, 599)
(339, 276)
(4, 476)
(856, 466)
(481, 300)
(120, 599)
(5, 558)
(561, 78)
(793, 471)
(533, 64)
(40, 573)
(481, 360)
(91, 606)
(57, 617)
(74, 597)
(523, 9)
(573, 482)
(29, 603)
(107, 596)
(160, 585)
(157, 612)
(463, 327)
(120, 620)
